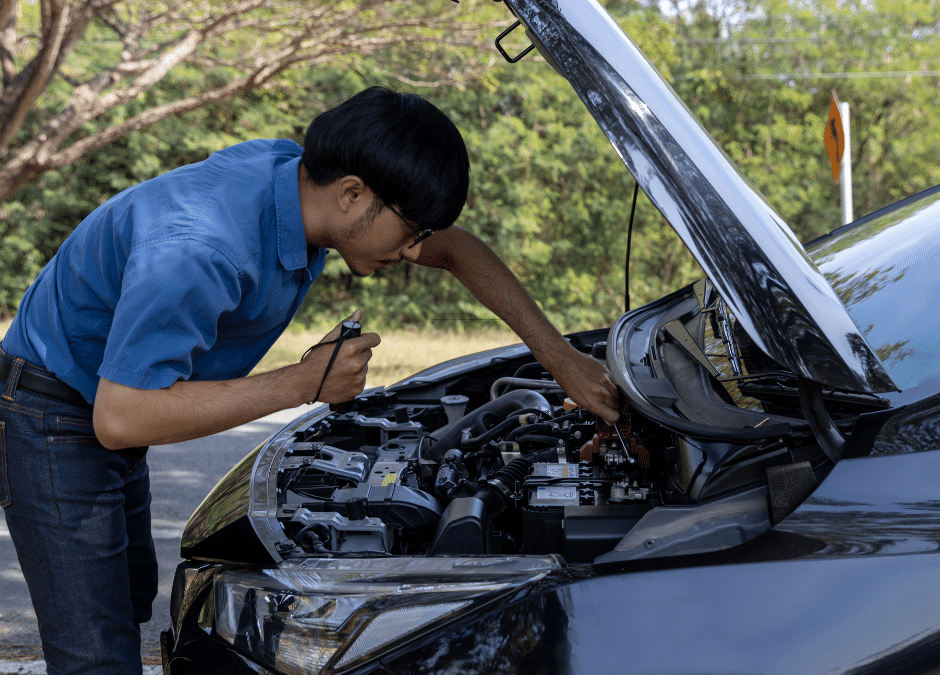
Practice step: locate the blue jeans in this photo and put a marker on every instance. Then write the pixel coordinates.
(79, 517)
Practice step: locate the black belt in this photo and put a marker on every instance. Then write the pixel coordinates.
(40, 383)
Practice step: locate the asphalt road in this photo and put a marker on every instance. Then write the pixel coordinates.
(180, 477)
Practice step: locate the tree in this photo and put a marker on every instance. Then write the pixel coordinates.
(759, 77)
(73, 69)
(548, 193)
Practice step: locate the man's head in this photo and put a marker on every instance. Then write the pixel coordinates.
(403, 148)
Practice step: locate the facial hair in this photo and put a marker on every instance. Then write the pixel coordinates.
(358, 229)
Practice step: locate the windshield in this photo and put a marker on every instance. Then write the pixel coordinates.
(877, 268)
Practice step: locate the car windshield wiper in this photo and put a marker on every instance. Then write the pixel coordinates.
(785, 387)
(727, 336)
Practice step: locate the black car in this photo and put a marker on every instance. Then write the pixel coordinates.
(768, 503)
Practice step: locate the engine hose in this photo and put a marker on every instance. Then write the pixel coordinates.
(516, 470)
(512, 421)
(567, 416)
(463, 526)
(543, 385)
(480, 426)
(503, 481)
(529, 429)
(520, 372)
(501, 407)
(489, 435)
(535, 438)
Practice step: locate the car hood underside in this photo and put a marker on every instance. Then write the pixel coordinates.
(758, 266)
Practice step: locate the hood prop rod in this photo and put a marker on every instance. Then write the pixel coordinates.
(827, 434)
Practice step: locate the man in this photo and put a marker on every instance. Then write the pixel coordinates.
(142, 328)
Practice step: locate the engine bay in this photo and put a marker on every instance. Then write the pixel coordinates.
(519, 474)
(500, 461)
(489, 456)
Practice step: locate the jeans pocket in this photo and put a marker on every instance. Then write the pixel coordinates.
(5, 497)
(73, 429)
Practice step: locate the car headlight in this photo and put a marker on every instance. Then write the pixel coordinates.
(325, 615)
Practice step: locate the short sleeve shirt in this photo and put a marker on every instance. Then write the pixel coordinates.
(191, 275)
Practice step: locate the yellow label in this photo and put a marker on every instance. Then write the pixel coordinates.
(389, 479)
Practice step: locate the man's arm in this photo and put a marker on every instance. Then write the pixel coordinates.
(127, 417)
(478, 268)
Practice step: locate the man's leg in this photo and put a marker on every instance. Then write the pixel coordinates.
(67, 519)
(141, 555)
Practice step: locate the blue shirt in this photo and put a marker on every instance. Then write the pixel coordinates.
(193, 274)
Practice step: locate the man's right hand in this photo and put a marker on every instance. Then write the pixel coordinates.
(127, 417)
(347, 377)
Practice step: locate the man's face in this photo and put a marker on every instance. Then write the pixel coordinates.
(377, 240)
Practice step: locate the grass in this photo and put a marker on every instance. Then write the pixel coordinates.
(401, 353)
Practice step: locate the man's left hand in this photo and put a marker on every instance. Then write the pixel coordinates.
(478, 268)
(587, 383)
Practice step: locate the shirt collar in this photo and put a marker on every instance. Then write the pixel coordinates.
(291, 238)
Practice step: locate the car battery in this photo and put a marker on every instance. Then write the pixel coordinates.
(549, 489)
(551, 484)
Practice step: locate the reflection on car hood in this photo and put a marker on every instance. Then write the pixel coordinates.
(877, 265)
(758, 266)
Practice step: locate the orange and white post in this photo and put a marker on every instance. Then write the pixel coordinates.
(838, 142)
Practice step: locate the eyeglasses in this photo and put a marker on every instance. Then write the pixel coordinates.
(420, 235)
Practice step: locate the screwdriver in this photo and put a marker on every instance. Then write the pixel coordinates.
(626, 448)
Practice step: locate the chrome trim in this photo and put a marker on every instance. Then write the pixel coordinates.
(262, 507)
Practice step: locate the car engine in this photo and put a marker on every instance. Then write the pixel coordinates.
(527, 472)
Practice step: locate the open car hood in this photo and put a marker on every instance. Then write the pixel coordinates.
(757, 264)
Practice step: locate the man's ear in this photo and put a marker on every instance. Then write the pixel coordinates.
(350, 192)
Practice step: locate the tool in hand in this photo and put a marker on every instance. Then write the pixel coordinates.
(349, 329)
(626, 448)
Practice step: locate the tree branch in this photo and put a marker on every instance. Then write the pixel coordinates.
(258, 38)
(39, 156)
(22, 92)
(7, 42)
(6, 11)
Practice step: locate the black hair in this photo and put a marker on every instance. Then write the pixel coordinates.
(408, 152)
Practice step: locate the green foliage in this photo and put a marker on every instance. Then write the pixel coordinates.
(20, 257)
(761, 80)
(548, 193)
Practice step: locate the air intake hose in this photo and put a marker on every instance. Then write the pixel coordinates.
(501, 407)
(463, 527)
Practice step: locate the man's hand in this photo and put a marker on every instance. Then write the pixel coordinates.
(127, 417)
(347, 376)
(587, 382)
